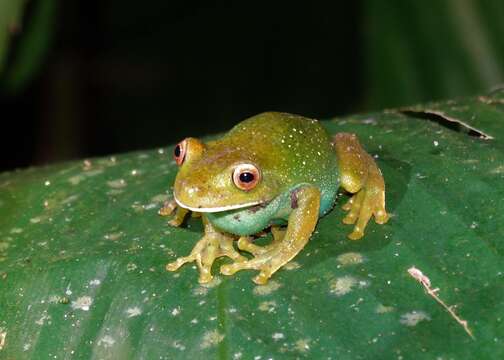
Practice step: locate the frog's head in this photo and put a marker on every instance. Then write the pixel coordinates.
(221, 176)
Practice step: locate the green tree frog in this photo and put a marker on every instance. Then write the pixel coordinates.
(273, 170)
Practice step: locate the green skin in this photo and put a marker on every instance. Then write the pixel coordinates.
(290, 150)
(301, 171)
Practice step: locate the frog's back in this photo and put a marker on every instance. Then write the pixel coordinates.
(296, 147)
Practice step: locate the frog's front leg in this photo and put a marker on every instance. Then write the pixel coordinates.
(361, 176)
(212, 245)
(301, 223)
(171, 207)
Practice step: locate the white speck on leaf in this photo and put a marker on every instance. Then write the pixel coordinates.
(106, 341)
(382, 309)
(176, 311)
(203, 289)
(414, 317)
(302, 345)
(350, 258)
(268, 306)
(82, 303)
(75, 180)
(278, 336)
(113, 236)
(211, 338)
(134, 311)
(292, 265)
(267, 289)
(117, 184)
(343, 285)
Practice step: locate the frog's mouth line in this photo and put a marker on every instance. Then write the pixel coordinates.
(218, 208)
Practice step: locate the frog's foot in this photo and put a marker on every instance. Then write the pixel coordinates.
(245, 243)
(168, 208)
(286, 245)
(212, 246)
(268, 262)
(360, 175)
(171, 207)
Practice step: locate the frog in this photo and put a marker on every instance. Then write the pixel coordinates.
(274, 171)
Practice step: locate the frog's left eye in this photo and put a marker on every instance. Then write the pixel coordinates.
(246, 176)
(179, 152)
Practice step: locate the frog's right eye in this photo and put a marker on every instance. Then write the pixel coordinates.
(179, 153)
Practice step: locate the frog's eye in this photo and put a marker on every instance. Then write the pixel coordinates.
(246, 176)
(179, 152)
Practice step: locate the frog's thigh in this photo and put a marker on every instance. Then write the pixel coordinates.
(301, 224)
(360, 175)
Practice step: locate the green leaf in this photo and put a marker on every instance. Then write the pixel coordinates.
(10, 17)
(82, 255)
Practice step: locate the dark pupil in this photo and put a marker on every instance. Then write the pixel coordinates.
(246, 177)
(177, 151)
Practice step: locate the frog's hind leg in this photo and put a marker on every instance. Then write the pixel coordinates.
(360, 176)
(302, 222)
(245, 243)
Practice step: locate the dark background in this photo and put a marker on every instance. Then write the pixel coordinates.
(113, 76)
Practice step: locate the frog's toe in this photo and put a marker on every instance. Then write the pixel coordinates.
(229, 269)
(381, 216)
(262, 278)
(350, 219)
(245, 244)
(355, 235)
(368, 202)
(268, 263)
(175, 222)
(175, 265)
(348, 205)
(354, 208)
(168, 208)
(205, 277)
